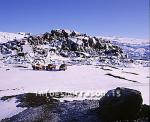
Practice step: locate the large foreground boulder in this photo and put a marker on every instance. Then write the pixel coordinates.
(120, 104)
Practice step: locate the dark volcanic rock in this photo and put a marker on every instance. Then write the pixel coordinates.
(120, 104)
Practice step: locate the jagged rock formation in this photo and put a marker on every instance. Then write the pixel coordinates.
(63, 43)
(72, 44)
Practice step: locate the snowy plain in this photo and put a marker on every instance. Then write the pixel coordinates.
(88, 79)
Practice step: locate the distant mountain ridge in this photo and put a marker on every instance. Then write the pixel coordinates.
(126, 40)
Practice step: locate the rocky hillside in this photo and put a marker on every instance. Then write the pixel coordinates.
(63, 43)
(73, 44)
(59, 44)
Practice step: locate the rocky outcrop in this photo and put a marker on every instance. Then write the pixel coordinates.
(63, 43)
(75, 42)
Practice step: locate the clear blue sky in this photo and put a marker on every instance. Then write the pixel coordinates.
(126, 18)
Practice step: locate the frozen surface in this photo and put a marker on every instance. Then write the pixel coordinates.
(76, 78)
(8, 108)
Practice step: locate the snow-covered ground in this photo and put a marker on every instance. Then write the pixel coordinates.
(87, 79)
(5, 36)
(126, 40)
(8, 108)
(76, 78)
(134, 48)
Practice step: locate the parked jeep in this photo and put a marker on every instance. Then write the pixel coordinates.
(50, 67)
(38, 67)
(63, 67)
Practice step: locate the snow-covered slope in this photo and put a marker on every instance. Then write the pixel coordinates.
(5, 36)
(134, 48)
(126, 40)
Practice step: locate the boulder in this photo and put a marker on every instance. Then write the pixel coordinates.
(120, 104)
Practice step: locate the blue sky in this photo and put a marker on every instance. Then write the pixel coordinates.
(126, 18)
